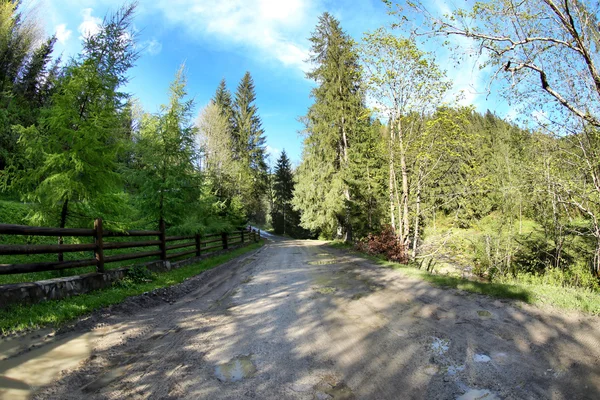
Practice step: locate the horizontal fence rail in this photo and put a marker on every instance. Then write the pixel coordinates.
(193, 245)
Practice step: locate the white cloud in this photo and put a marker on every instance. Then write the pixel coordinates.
(62, 33)
(90, 24)
(272, 29)
(151, 47)
(273, 151)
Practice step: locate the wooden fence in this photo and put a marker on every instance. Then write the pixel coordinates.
(193, 245)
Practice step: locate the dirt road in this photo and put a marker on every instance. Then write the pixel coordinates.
(298, 320)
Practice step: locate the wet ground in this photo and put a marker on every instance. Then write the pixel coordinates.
(298, 320)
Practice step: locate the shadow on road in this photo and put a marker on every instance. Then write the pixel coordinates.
(315, 322)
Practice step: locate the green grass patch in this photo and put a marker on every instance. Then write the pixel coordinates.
(581, 299)
(19, 318)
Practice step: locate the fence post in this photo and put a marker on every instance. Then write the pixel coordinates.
(198, 242)
(163, 240)
(224, 240)
(99, 250)
(242, 235)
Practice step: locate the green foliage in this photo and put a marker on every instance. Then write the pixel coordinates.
(164, 173)
(72, 153)
(332, 124)
(249, 149)
(284, 218)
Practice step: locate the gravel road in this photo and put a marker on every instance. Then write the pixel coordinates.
(299, 320)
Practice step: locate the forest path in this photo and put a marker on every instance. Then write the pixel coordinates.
(299, 320)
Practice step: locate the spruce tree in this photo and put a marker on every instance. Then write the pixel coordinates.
(331, 125)
(249, 149)
(283, 192)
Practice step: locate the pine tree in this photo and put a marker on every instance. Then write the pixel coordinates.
(331, 123)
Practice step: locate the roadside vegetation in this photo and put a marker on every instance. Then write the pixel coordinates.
(56, 313)
(531, 289)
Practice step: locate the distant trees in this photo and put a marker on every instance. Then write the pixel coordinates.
(283, 217)
(233, 147)
(547, 52)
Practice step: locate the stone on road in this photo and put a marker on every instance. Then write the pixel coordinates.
(299, 320)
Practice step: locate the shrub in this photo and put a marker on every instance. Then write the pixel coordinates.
(385, 244)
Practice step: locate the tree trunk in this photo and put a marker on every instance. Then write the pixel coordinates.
(403, 168)
(417, 216)
(391, 181)
(347, 222)
(63, 222)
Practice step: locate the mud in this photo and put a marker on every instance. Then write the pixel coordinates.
(277, 325)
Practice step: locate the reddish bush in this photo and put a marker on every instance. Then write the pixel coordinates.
(385, 243)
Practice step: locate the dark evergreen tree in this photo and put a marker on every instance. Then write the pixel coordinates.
(283, 192)
(332, 123)
(249, 149)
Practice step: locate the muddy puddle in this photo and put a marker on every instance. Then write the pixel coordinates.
(478, 394)
(31, 361)
(241, 367)
(322, 262)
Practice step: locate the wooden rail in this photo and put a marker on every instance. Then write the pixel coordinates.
(193, 245)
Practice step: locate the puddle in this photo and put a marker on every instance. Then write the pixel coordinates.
(341, 391)
(440, 346)
(481, 358)
(239, 368)
(325, 290)
(322, 262)
(484, 314)
(478, 394)
(21, 375)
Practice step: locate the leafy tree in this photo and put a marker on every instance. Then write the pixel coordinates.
(323, 193)
(406, 85)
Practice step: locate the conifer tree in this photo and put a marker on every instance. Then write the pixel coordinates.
(331, 124)
(166, 177)
(72, 153)
(283, 192)
(249, 149)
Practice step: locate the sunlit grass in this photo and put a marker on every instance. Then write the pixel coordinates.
(58, 312)
(585, 300)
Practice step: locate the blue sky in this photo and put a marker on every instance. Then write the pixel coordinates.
(225, 38)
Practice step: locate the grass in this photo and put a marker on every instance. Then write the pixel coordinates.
(56, 313)
(585, 300)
